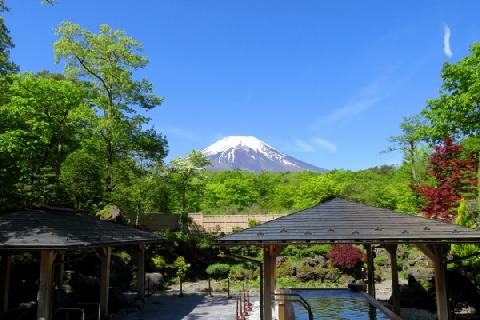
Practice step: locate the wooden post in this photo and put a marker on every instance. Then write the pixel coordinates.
(262, 314)
(105, 256)
(44, 306)
(228, 287)
(59, 268)
(370, 270)
(209, 286)
(5, 281)
(141, 271)
(437, 254)
(282, 314)
(392, 250)
(269, 281)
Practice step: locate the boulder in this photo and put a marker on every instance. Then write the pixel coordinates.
(414, 295)
(154, 281)
(317, 261)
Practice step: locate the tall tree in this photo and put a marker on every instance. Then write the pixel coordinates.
(457, 109)
(108, 60)
(6, 43)
(414, 130)
(184, 173)
(41, 124)
(456, 112)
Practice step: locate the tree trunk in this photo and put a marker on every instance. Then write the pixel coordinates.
(138, 213)
(109, 168)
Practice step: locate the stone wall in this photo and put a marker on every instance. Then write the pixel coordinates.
(208, 223)
(226, 223)
(160, 221)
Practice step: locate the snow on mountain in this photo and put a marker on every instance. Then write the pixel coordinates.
(251, 154)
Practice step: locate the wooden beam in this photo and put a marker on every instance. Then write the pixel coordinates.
(392, 250)
(269, 283)
(437, 254)
(105, 256)
(370, 270)
(141, 271)
(44, 307)
(5, 281)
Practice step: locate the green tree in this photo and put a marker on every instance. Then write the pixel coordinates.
(141, 190)
(6, 43)
(182, 268)
(456, 111)
(414, 132)
(81, 177)
(186, 173)
(41, 123)
(465, 219)
(107, 61)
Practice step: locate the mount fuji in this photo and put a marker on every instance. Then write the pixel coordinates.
(251, 154)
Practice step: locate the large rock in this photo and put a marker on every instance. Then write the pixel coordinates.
(154, 281)
(317, 261)
(414, 295)
(463, 292)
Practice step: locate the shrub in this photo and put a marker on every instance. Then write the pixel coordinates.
(345, 256)
(218, 270)
(318, 249)
(159, 262)
(237, 272)
(292, 251)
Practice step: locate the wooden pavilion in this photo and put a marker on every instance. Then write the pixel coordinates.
(341, 221)
(51, 233)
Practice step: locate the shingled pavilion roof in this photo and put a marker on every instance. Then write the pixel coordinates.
(59, 230)
(342, 221)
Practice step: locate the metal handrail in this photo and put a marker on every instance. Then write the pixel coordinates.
(301, 300)
(98, 313)
(71, 309)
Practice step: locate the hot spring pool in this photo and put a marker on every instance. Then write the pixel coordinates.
(337, 304)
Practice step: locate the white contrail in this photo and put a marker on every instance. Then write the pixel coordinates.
(446, 41)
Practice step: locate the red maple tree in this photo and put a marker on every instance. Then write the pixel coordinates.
(454, 175)
(345, 256)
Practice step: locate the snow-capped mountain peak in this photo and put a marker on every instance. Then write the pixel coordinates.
(234, 142)
(251, 154)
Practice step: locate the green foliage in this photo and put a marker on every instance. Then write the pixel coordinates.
(159, 262)
(105, 213)
(42, 121)
(465, 219)
(455, 111)
(185, 175)
(107, 61)
(6, 43)
(317, 249)
(81, 177)
(298, 252)
(218, 270)
(125, 256)
(181, 267)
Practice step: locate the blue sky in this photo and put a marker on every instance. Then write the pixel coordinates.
(324, 81)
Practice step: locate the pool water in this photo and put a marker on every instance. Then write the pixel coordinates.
(337, 304)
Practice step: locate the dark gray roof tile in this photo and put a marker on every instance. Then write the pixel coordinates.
(54, 229)
(339, 220)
